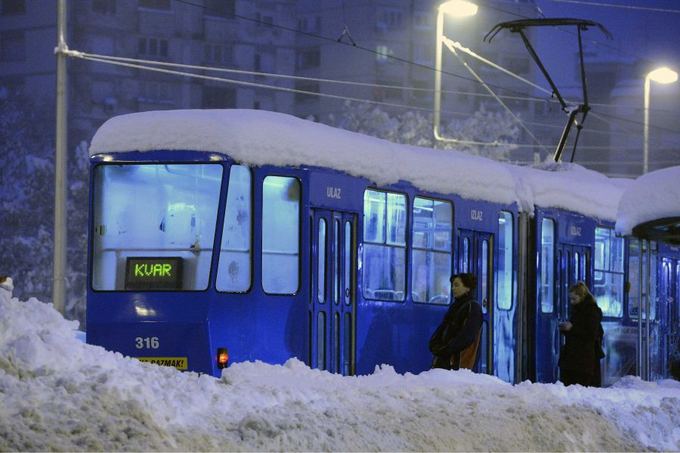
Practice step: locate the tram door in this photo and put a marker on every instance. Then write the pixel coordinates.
(667, 315)
(573, 263)
(332, 296)
(475, 255)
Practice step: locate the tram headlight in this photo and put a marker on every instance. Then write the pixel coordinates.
(222, 358)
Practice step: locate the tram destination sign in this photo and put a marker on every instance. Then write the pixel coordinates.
(161, 273)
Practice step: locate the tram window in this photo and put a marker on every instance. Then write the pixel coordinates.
(321, 340)
(652, 278)
(504, 272)
(636, 279)
(347, 347)
(321, 265)
(431, 242)
(547, 277)
(633, 278)
(577, 267)
(280, 234)
(384, 252)
(465, 256)
(336, 261)
(348, 261)
(234, 270)
(608, 282)
(154, 210)
(484, 280)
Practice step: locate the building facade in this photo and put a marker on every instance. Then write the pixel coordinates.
(386, 47)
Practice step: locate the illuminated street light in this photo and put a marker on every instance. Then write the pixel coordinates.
(664, 76)
(454, 8)
(458, 8)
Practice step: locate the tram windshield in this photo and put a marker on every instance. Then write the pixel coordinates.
(154, 225)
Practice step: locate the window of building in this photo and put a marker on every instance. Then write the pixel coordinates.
(504, 280)
(218, 97)
(156, 92)
(389, 19)
(431, 250)
(104, 6)
(149, 211)
(13, 85)
(155, 4)
(422, 20)
(385, 91)
(263, 20)
(547, 277)
(12, 7)
(233, 272)
(309, 58)
(152, 47)
(309, 86)
(218, 54)
(280, 235)
(384, 252)
(220, 8)
(608, 283)
(383, 53)
(12, 46)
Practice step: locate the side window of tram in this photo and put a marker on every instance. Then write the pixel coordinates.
(280, 234)
(608, 283)
(154, 226)
(233, 272)
(640, 277)
(431, 242)
(384, 254)
(504, 250)
(547, 277)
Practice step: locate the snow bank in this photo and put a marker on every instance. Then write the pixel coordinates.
(59, 394)
(652, 196)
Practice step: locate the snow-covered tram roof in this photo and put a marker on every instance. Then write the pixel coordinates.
(257, 137)
(650, 197)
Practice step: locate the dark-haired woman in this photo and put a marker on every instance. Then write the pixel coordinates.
(580, 356)
(455, 342)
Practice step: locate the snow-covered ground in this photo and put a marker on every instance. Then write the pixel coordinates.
(57, 393)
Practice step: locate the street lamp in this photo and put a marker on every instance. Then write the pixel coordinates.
(662, 75)
(455, 8)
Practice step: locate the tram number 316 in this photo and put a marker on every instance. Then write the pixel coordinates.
(147, 342)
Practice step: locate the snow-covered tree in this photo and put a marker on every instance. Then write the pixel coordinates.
(415, 128)
(27, 204)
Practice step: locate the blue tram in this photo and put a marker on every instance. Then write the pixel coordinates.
(222, 236)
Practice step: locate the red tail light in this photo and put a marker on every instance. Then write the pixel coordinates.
(222, 358)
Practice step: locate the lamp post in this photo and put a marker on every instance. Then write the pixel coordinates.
(455, 8)
(662, 75)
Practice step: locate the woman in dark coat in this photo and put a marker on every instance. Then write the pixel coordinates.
(580, 356)
(454, 344)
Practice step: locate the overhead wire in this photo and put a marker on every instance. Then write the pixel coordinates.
(614, 5)
(393, 57)
(85, 56)
(450, 45)
(352, 45)
(339, 82)
(454, 45)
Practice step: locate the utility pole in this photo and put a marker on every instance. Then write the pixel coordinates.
(60, 176)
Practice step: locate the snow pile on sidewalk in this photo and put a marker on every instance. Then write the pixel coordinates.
(59, 394)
